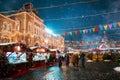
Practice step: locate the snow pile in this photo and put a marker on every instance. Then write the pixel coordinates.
(117, 69)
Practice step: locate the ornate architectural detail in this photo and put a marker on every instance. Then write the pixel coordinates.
(27, 27)
(28, 7)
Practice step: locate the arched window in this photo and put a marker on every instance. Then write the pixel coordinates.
(29, 26)
(18, 25)
(9, 27)
(4, 26)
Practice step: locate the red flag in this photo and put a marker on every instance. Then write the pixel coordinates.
(78, 32)
(66, 34)
(96, 28)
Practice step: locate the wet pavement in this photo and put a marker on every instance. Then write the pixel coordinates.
(93, 71)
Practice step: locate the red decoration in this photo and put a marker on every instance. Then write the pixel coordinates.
(104, 46)
(78, 32)
(96, 28)
(66, 34)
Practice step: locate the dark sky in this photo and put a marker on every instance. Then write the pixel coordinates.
(69, 15)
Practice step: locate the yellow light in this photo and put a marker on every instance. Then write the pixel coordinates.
(17, 48)
(46, 41)
(40, 50)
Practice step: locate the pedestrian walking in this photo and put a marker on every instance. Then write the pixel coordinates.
(46, 61)
(60, 61)
(82, 57)
(67, 60)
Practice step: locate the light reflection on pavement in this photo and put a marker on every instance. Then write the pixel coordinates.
(51, 73)
(93, 71)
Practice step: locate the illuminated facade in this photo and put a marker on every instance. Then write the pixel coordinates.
(28, 28)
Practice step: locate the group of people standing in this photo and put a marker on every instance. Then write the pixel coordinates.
(75, 58)
(70, 59)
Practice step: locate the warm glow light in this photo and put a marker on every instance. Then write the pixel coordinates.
(17, 48)
(40, 50)
(46, 41)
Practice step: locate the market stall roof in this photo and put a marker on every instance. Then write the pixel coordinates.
(53, 49)
(12, 46)
(34, 47)
(9, 43)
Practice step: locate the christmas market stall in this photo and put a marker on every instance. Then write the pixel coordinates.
(13, 58)
(39, 53)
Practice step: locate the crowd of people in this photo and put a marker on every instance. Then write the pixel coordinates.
(74, 60)
(79, 59)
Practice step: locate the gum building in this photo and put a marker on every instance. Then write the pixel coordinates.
(27, 27)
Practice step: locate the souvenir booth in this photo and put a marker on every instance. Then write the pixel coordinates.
(38, 55)
(16, 56)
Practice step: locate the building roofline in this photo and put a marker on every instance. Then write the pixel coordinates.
(7, 17)
(27, 14)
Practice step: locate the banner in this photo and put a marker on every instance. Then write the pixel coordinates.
(93, 29)
(100, 27)
(110, 26)
(83, 31)
(71, 33)
(86, 30)
(115, 25)
(119, 24)
(96, 28)
(105, 27)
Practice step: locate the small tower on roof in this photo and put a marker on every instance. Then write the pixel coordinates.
(28, 7)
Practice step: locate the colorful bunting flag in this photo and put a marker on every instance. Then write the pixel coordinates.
(96, 28)
(90, 30)
(101, 27)
(93, 29)
(71, 33)
(115, 25)
(78, 32)
(83, 31)
(105, 27)
(86, 30)
(96, 42)
(119, 24)
(110, 26)
(66, 34)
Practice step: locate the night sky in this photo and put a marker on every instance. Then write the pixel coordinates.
(70, 15)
